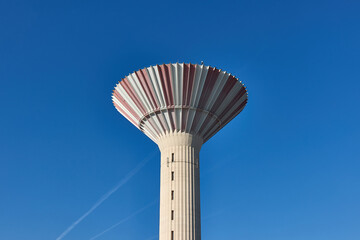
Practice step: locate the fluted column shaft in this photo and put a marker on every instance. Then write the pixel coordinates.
(180, 187)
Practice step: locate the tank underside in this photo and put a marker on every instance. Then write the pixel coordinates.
(171, 98)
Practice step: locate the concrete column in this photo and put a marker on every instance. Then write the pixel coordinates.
(180, 187)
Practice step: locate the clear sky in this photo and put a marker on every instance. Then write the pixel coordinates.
(286, 168)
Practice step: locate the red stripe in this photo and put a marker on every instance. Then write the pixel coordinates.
(232, 102)
(190, 83)
(125, 104)
(224, 92)
(209, 84)
(124, 113)
(210, 80)
(144, 86)
(132, 94)
(163, 81)
(171, 87)
(185, 84)
(145, 74)
(165, 73)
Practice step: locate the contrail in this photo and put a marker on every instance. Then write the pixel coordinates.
(124, 220)
(107, 195)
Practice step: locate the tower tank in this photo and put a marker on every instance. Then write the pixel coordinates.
(180, 106)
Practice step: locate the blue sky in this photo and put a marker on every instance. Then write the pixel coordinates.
(286, 168)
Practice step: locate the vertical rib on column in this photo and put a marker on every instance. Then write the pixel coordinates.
(186, 186)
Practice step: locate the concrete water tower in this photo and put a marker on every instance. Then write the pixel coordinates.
(180, 106)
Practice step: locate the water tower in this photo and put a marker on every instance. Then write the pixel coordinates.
(180, 106)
